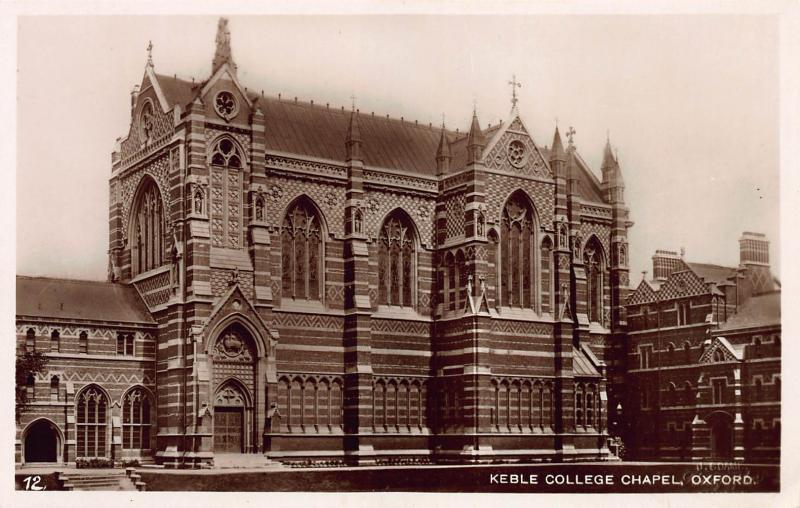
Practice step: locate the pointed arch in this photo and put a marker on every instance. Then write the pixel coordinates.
(147, 227)
(91, 421)
(303, 234)
(226, 161)
(138, 416)
(398, 243)
(519, 252)
(594, 260)
(32, 442)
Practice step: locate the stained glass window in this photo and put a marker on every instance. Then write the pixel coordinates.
(396, 261)
(517, 263)
(301, 245)
(91, 423)
(148, 230)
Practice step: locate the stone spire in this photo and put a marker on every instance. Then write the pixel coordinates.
(557, 152)
(609, 161)
(443, 155)
(613, 184)
(353, 141)
(223, 53)
(475, 142)
(612, 174)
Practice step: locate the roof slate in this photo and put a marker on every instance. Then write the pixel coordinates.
(760, 310)
(711, 273)
(313, 130)
(582, 365)
(80, 300)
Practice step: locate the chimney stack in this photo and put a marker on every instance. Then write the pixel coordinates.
(664, 263)
(753, 249)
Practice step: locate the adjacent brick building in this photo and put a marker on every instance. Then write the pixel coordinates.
(704, 360)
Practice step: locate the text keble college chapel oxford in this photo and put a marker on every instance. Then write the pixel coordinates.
(300, 281)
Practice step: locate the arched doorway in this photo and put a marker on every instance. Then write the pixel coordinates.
(720, 435)
(230, 418)
(42, 442)
(234, 355)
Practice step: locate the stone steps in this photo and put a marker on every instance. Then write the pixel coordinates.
(99, 481)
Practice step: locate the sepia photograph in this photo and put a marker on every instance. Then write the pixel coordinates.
(506, 252)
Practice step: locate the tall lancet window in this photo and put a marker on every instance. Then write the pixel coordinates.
(226, 194)
(593, 261)
(396, 261)
(301, 251)
(517, 248)
(147, 229)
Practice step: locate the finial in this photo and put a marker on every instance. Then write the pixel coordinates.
(570, 133)
(443, 121)
(683, 252)
(644, 274)
(150, 53)
(608, 136)
(353, 102)
(556, 122)
(514, 85)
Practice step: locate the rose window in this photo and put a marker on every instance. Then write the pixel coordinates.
(225, 104)
(516, 153)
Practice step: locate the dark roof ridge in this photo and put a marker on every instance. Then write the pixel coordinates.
(65, 279)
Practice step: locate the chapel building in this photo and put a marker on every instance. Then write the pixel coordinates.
(295, 280)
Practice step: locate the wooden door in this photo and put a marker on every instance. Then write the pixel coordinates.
(228, 430)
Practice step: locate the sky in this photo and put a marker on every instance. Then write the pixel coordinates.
(690, 104)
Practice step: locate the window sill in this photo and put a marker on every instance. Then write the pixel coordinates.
(397, 312)
(307, 306)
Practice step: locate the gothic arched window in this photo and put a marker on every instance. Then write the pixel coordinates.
(83, 343)
(593, 261)
(136, 420)
(518, 248)
(148, 230)
(55, 341)
(54, 381)
(91, 423)
(30, 340)
(225, 205)
(396, 261)
(301, 250)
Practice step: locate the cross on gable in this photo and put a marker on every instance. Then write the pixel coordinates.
(514, 85)
(570, 133)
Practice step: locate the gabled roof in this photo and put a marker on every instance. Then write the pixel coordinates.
(176, 90)
(588, 183)
(711, 273)
(760, 310)
(305, 129)
(80, 300)
(582, 365)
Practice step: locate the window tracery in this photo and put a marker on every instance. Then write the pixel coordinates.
(301, 249)
(594, 265)
(91, 423)
(226, 194)
(396, 261)
(517, 247)
(136, 420)
(148, 230)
